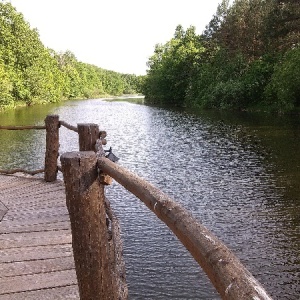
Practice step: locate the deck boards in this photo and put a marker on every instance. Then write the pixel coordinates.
(36, 258)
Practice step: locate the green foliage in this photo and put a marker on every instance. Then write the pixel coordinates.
(256, 78)
(132, 83)
(171, 67)
(283, 90)
(247, 58)
(6, 98)
(31, 73)
(217, 83)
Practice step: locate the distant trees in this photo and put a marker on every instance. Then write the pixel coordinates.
(171, 67)
(31, 73)
(245, 58)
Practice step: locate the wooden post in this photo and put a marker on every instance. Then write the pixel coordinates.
(88, 134)
(85, 202)
(52, 146)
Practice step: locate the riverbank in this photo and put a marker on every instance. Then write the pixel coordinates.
(134, 98)
(137, 99)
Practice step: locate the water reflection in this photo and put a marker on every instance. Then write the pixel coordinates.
(237, 173)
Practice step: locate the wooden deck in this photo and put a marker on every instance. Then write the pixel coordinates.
(36, 258)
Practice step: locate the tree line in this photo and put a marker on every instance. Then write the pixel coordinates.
(31, 73)
(247, 57)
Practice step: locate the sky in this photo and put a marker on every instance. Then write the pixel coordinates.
(118, 35)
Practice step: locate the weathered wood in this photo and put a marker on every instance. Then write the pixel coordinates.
(22, 127)
(85, 202)
(230, 278)
(30, 239)
(3, 210)
(36, 214)
(34, 226)
(52, 146)
(13, 171)
(36, 281)
(70, 127)
(116, 253)
(88, 134)
(36, 266)
(8, 181)
(36, 258)
(103, 134)
(58, 293)
(37, 252)
(105, 179)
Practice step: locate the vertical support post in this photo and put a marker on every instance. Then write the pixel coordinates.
(85, 202)
(52, 146)
(88, 134)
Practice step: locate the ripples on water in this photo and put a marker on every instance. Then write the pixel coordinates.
(217, 171)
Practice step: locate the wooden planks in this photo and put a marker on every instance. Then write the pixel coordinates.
(37, 281)
(36, 257)
(3, 210)
(57, 293)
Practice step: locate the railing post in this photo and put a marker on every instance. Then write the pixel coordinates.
(52, 146)
(85, 202)
(88, 134)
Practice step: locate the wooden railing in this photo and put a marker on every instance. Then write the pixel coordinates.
(98, 262)
(52, 125)
(52, 144)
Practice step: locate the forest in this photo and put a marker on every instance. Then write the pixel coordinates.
(30, 73)
(247, 58)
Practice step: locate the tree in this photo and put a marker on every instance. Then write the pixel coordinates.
(170, 68)
(283, 90)
(33, 72)
(282, 25)
(6, 98)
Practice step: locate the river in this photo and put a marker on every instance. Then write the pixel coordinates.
(238, 173)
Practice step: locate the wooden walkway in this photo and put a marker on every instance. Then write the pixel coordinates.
(36, 258)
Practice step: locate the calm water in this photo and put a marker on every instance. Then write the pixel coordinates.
(238, 174)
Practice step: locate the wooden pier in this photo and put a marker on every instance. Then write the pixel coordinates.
(36, 257)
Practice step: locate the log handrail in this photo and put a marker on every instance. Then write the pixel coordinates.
(52, 125)
(228, 275)
(13, 171)
(26, 127)
(68, 126)
(230, 278)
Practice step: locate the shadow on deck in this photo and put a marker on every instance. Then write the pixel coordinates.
(36, 258)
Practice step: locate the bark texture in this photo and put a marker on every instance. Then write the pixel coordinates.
(88, 135)
(86, 206)
(52, 146)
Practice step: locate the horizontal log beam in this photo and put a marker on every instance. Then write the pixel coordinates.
(230, 278)
(22, 127)
(70, 127)
(13, 171)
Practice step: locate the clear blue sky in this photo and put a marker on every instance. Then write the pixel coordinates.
(117, 35)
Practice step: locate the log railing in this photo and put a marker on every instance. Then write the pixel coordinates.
(50, 169)
(97, 246)
(230, 278)
(52, 125)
